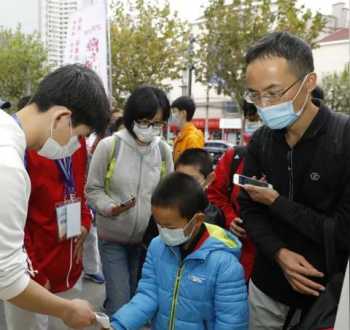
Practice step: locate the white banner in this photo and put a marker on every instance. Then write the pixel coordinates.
(87, 40)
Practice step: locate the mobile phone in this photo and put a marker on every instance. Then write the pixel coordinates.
(103, 320)
(129, 201)
(241, 180)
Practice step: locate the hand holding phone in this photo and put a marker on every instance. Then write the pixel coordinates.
(241, 180)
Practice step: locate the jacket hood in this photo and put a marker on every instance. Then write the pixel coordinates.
(219, 239)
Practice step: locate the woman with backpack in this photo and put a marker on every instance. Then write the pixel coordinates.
(125, 169)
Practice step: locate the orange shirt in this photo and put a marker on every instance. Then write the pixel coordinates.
(189, 137)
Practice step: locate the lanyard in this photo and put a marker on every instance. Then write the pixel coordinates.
(65, 166)
(14, 116)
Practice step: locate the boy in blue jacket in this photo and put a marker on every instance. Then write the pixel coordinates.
(191, 279)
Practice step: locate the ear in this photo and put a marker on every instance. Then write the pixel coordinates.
(311, 82)
(209, 180)
(200, 218)
(60, 116)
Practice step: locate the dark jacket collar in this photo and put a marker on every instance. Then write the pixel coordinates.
(317, 127)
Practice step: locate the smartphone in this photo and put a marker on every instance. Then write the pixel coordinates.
(241, 180)
(103, 320)
(129, 201)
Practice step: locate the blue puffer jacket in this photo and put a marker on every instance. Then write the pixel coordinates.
(205, 291)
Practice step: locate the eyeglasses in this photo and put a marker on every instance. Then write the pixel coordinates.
(269, 97)
(144, 123)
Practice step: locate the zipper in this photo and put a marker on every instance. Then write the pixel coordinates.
(290, 170)
(175, 296)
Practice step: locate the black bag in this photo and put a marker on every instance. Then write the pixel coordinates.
(323, 312)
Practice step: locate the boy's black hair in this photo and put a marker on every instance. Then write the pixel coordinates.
(187, 104)
(23, 102)
(196, 157)
(180, 191)
(144, 103)
(283, 44)
(80, 90)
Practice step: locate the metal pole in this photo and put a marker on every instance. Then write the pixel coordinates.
(206, 132)
(109, 54)
(190, 80)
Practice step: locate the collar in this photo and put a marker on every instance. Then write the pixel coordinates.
(196, 243)
(189, 126)
(317, 127)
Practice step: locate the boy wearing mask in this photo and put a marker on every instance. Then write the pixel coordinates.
(192, 278)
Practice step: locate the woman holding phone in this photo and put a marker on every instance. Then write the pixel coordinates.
(125, 169)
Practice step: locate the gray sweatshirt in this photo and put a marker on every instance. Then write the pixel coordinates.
(137, 172)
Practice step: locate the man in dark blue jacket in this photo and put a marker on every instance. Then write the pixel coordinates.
(304, 152)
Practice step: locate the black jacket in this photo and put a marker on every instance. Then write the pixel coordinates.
(313, 180)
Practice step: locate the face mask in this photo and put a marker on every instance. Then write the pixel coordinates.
(174, 237)
(281, 115)
(146, 135)
(252, 126)
(176, 119)
(53, 150)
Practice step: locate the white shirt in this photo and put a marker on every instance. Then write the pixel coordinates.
(14, 195)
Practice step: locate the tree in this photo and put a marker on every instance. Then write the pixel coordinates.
(148, 46)
(23, 63)
(336, 88)
(228, 29)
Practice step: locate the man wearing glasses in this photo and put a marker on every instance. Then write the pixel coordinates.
(303, 151)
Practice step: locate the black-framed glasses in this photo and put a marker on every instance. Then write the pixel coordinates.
(145, 123)
(269, 97)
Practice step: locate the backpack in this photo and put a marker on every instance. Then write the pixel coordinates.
(113, 160)
(239, 155)
(322, 313)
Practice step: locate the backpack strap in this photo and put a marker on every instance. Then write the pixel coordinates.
(163, 155)
(111, 163)
(237, 158)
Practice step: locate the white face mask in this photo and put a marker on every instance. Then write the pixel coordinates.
(175, 237)
(146, 135)
(176, 118)
(53, 150)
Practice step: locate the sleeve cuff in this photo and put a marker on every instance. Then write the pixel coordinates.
(280, 206)
(16, 288)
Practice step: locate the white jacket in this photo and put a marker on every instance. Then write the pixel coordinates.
(137, 172)
(14, 195)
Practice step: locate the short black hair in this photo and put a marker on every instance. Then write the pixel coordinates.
(180, 191)
(80, 90)
(283, 44)
(318, 93)
(196, 157)
(23, 101)
(144, 103)
(187, 104)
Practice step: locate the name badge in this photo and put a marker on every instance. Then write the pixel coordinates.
(68, 216)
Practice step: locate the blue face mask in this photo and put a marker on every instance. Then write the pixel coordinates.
(281, 115)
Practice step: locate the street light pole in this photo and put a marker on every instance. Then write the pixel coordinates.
(190, 66)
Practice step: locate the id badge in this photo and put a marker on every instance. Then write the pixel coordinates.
(68, 216)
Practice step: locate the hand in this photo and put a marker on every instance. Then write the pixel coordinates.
(297, 270)
(237, 229)
(119, 209)
(79, 314)
(262, 195)
(79, 246)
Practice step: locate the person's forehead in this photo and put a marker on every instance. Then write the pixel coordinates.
(166, 215)
(261, 73)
